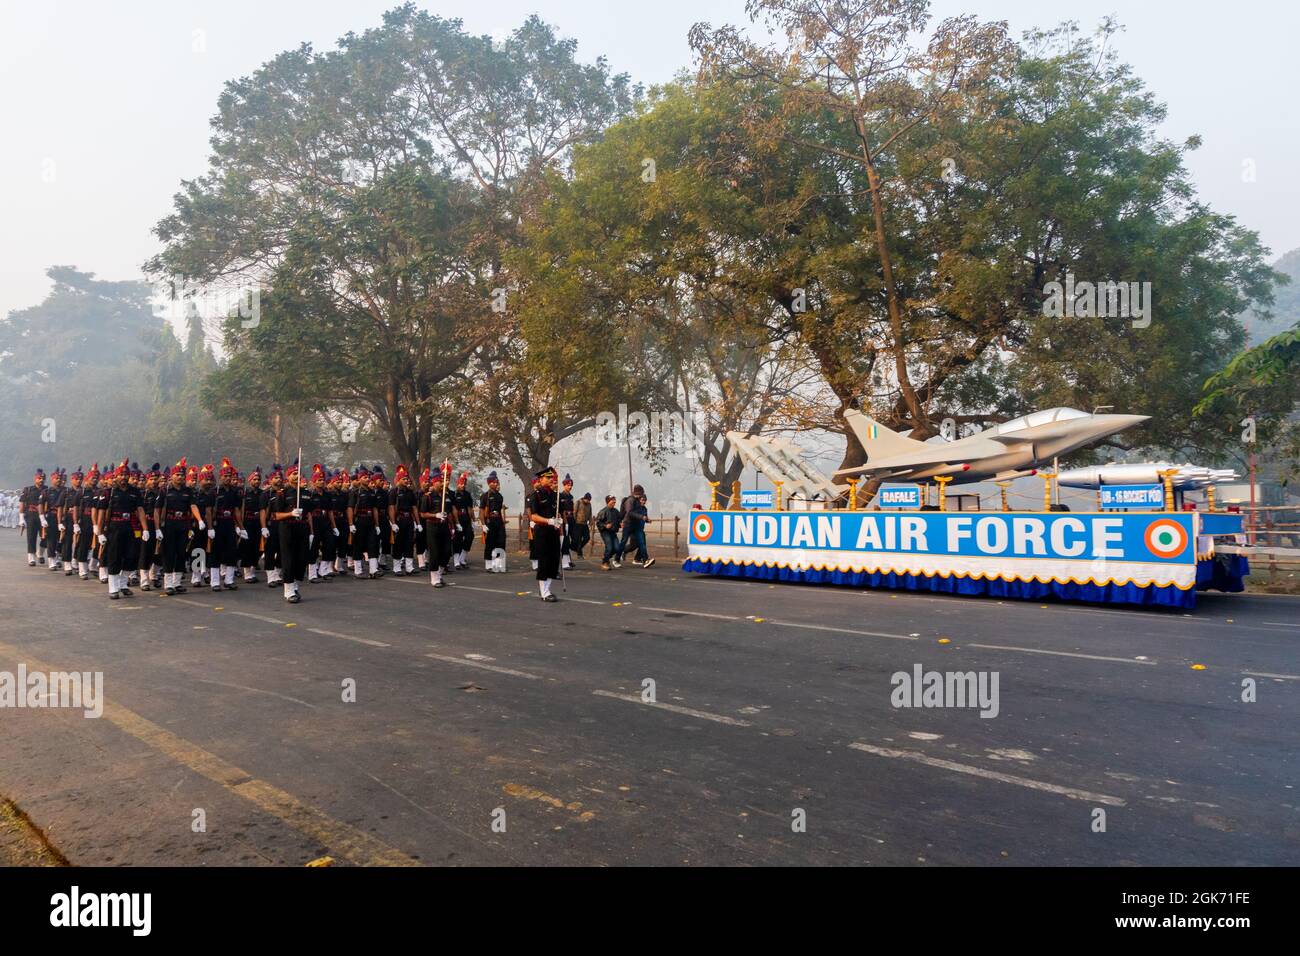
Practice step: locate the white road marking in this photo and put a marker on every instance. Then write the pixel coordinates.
(257, 690)
(1279, 624)
(844, 630)
(1071, 792)
(673, 610)
(689, 712)
(447, 658)
(348, 637)
(1274, 676)
(470, 587)
(1088, 657)
(260, 617)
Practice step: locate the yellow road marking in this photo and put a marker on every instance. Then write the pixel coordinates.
(343, 840)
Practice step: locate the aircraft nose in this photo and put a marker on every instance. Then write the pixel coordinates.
(1110, 424)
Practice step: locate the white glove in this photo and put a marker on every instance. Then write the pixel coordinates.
(212, 533)
(266, 532)
(61, 528)
(102, 539)
(22, 522)
(420, 528)
(311, 539)
(243, 535)
(297, 512)
(159, 533)
(336, 532)
(441, 516)
(201, 524)
(94, 529)
(44, 523)
(557, 523)
(144, 535)
(352, 528)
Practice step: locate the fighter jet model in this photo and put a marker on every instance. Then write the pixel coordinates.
(1013, 449)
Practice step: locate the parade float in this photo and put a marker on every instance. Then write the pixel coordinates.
(1145, 543)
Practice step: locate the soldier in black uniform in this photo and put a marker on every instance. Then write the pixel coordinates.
(323, 534)
(566, 519)
(338, 505)
(543, 513)
(271, 527)
(205, 496)
(123, 511)
(50, 521)
(436, 514)
(176, 514)
(464, 522)
(147, 563)
(290, 506)
(29, 516)
(401, 515)
(250, 542)
(227, 520)
(492, 515)
(102, 485)
(363, 522)
(74, 533)
(383, 528)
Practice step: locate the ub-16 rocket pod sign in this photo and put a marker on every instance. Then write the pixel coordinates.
(838, 537)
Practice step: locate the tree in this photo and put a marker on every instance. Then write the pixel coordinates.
(374, 190)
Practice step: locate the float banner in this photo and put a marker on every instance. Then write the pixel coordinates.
(899, 496)
(756, 499)
(1133, 558)
(1117, 497)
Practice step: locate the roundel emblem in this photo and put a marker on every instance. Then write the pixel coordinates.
(702, 528)
(1166, 538)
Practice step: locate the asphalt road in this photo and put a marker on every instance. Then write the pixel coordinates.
(490, 728)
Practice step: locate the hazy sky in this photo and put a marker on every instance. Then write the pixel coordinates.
(104, 106)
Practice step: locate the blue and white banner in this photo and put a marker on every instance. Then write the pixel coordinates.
(1089, 553)
(899, 496)
(1120, 497)
(756, 499)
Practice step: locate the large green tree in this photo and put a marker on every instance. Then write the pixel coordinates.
(374, 191)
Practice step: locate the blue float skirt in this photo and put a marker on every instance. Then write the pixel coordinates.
(1223, 573)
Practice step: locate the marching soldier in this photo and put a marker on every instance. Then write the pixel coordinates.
(176, 513)
(436, 513)
(270, 525)
(103, 486)
(30, 518)
(363, 523)
(250, 542)
(52, 521)
(464, 503)
(402, 516)
(76, 533)
(338, 502)
(124, 510)
(288, 506)
(147, 551)
(492, 515)
(543, 514)
(383, 528)
(226, 519)
(323, 533)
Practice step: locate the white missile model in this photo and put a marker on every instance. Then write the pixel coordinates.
(780, 460)
(1010, 450)
(1144, 473)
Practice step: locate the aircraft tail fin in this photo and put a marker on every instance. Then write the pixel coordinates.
(878, 440)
